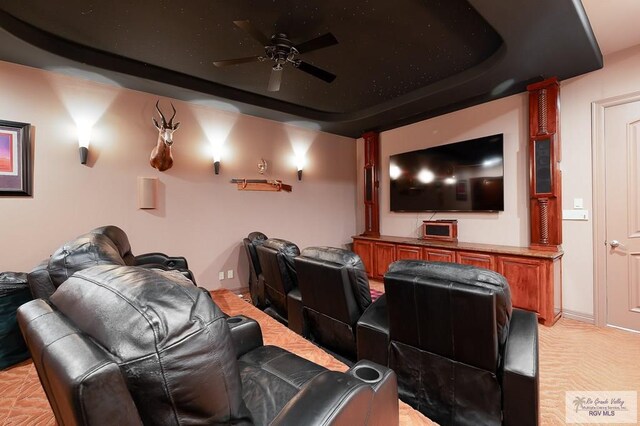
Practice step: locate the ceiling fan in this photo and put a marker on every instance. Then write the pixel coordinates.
(280, 50)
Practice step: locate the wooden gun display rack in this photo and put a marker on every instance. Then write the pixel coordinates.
(274, 185)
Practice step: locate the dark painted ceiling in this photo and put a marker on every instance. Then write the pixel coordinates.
(396, 62)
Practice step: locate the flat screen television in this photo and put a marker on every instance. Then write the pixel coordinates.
(464, 176)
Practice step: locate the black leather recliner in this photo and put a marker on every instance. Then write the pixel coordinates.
(256, 280)
(335, 293)
(130, 346)
(282, 296)
(462, 355)
(107, 245)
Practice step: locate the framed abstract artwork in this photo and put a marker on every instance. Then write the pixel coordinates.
(15, 159)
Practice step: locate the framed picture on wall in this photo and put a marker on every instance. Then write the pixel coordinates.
(15, 159)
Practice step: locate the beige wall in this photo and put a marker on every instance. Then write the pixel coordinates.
(505, 116)
(619, 76)
(509, 116)
(201, 216)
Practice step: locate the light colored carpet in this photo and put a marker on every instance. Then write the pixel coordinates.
(573, 356)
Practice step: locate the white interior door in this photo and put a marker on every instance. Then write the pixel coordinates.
(622, 195)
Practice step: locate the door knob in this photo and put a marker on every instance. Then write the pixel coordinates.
(614, 243)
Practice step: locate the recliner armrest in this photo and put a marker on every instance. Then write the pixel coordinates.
(295, 315)
(155, 266)
(172, 262)
(520, 379)
(327, 399)
(373, 333)
(245, 333)
(384, 382)
(185, 272)
(162, 261)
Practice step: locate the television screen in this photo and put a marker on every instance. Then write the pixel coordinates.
(463, 176)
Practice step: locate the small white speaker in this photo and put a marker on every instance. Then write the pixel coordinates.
(147, 189)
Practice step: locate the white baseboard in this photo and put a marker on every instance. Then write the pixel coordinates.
(578, 316)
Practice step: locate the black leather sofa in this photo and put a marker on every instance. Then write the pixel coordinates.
(129, 346)
(463, 356)
(335, 292)
(101, 246)
(256, 280)
(282, 296)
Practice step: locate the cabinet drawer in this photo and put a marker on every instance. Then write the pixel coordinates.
(407, 252)
(438, 255)
(480, 260)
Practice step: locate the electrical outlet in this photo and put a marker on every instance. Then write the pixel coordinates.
(221, 275)
(230, 273)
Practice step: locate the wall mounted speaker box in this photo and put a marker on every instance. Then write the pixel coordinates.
(440, 230)
(147, 189)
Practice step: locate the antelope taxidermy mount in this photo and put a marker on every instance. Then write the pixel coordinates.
(161, 158)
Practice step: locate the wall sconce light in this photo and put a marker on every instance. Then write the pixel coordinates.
(84, 137)
(216, 163)
(300, 163)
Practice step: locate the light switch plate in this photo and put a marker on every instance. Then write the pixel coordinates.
(221, 275)
(230, 273)
(578, 203)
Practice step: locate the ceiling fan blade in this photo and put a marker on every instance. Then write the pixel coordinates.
(315, 71)
(253, 31)
(275, 79)
(321, 42)
(227, 62)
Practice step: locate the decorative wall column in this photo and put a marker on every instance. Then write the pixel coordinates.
(371, 184)
(545, 190)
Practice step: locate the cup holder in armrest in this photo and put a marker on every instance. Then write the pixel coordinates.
(385, 386)
(371, 373)
(367, 374)
(245, 333)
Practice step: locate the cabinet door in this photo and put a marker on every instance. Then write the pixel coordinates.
(438, 255)
(525, 277)
(407, 252)
(480, 260)
(364, 249)
(385, 254)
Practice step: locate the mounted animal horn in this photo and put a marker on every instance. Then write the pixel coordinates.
(161, 157)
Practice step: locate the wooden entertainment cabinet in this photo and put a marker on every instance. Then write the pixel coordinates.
(534, 276)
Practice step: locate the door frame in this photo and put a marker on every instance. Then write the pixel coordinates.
(598, 109)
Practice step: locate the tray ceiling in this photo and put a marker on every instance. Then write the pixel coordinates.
(396, 62)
